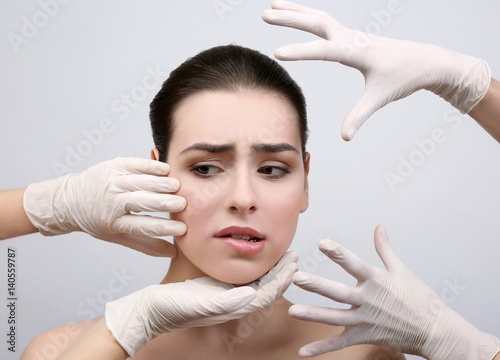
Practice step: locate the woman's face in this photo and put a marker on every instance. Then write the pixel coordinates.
(239, 161)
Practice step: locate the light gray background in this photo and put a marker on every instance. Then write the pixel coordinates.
(61, 83)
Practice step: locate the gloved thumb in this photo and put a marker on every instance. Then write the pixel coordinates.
(359, 113)
(386, 252)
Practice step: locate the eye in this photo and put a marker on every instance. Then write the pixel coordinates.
(274, 172)
(204, 170)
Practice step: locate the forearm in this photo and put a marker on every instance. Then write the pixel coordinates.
(97, 344)
(487, 111)
(13, 219)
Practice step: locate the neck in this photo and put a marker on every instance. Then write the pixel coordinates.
(256, 329)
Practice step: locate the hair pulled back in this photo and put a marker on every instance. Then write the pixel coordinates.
(223, 68)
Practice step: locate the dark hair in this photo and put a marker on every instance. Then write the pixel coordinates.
(230, 68)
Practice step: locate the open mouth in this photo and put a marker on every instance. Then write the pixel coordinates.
(244, 237)
(237, 232)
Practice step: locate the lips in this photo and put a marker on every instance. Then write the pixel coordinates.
(244, 240)
(237, 232)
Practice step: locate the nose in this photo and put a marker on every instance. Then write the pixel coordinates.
(241, 196)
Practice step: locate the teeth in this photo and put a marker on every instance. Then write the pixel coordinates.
(244, 237)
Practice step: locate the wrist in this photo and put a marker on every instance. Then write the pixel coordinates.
(46, 207)
(496, 356)
(454, 338)
(461, 80)
(125, 323)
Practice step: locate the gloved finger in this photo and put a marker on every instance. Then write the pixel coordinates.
(287, 5)
(142, 166)
(326, 50)
(386, 252)
(322, 346)
(370, 101)
(349, 261)
(329, 316)
(147, 245)
(268, 293)
(325, 287)
(159, 184)
(138, 201)
(288, 258)
(313, 50)
(316, 23)
(145, 225)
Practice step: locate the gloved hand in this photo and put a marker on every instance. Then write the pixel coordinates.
(100, 200)
(393, 69)
(392, 308)
(141, 316)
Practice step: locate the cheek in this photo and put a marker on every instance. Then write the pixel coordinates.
(282, 207)
(287, 198)
(201, 196)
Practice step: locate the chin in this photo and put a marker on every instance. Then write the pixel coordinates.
(238, 274)
(238, 280)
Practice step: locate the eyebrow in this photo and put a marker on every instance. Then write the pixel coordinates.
(210, 148)
(274, 148)
(213, 148)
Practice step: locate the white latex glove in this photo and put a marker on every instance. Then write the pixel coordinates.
(141, 316)
(100, 200)
(392, 308)
(393, 69)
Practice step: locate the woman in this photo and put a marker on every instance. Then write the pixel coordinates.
(232, 125)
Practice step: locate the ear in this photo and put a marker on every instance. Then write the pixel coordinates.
(155, 154)
(305, 199)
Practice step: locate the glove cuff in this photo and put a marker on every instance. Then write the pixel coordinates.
(469, 84)
(495, 354)
(44, 205)
(126, 325)
(473, 87)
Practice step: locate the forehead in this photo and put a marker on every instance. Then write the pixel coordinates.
(243, 118)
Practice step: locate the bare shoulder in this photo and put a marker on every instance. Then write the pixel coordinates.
(52, 343)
